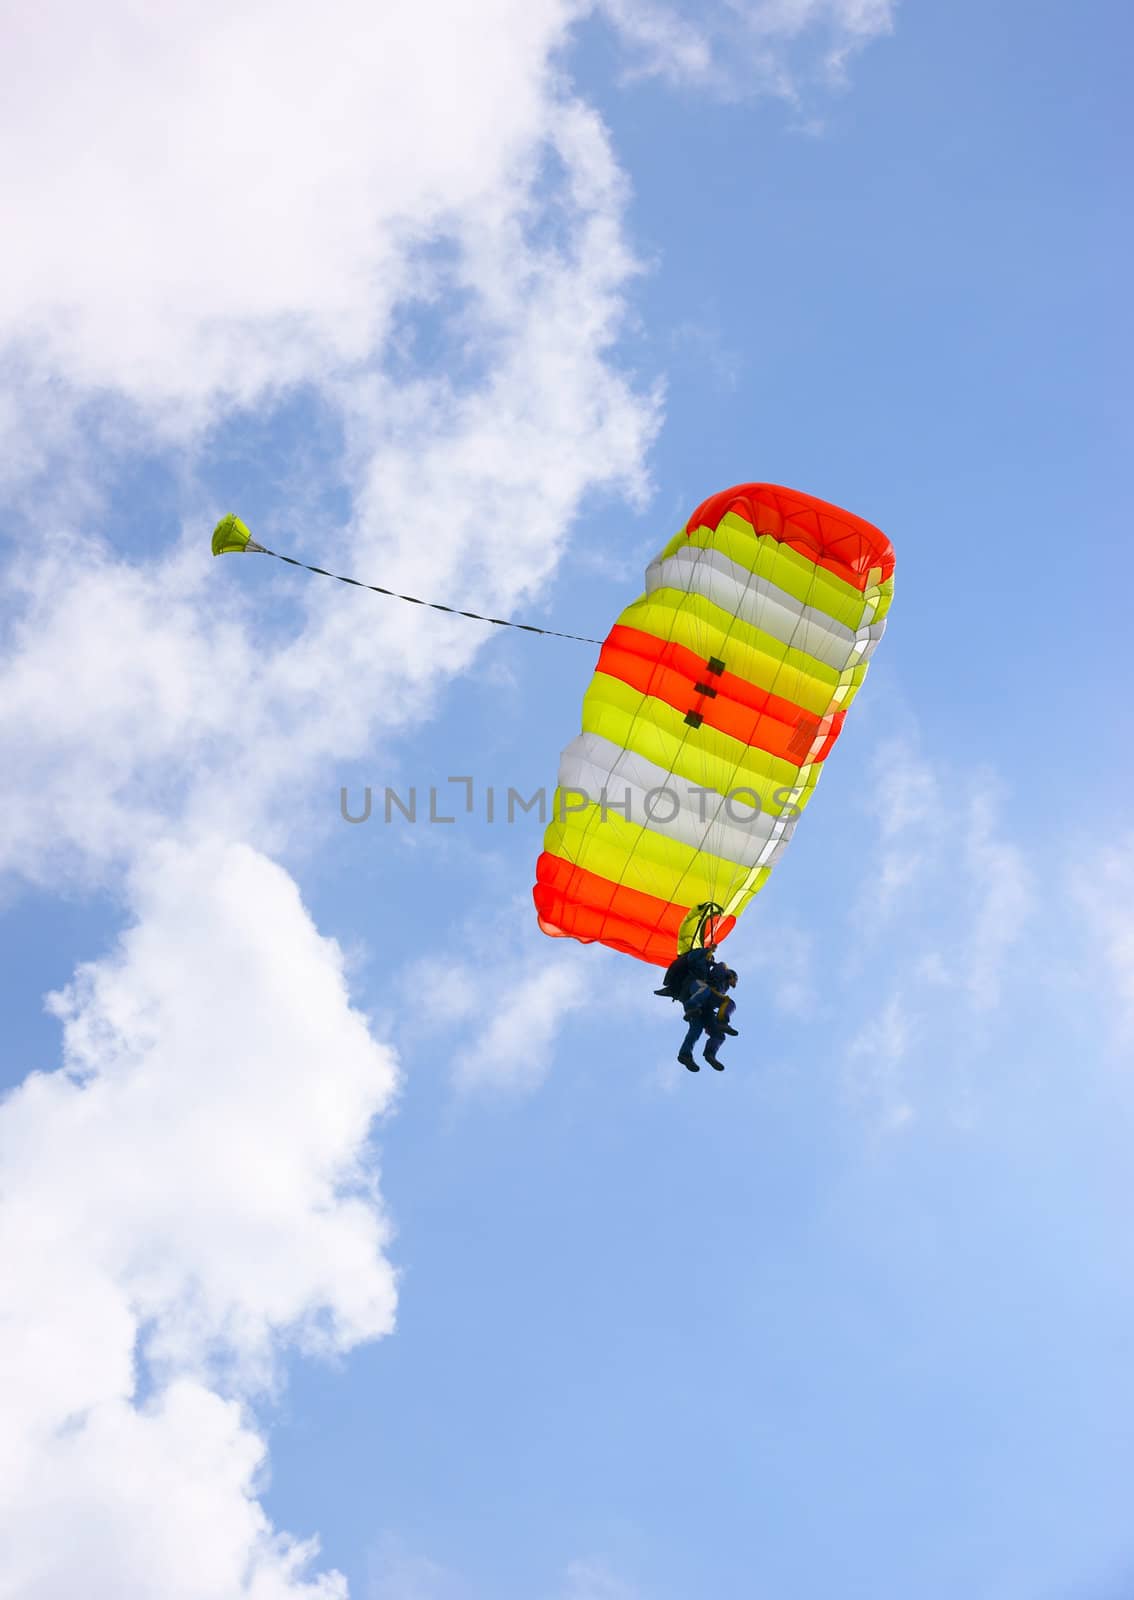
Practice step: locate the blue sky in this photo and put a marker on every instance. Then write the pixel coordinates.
(359, 1239)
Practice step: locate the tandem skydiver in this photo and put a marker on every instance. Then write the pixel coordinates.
(687, 969)
(708, 1009)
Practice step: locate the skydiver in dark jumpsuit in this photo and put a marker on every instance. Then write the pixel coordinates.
(682, 973)
(708, 1010)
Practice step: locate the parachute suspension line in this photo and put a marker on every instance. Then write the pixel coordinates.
(433, 605)
(707, 923)
(698, 927)
(231, 535)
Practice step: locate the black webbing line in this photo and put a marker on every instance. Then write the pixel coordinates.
(497, 622)
(709, 915)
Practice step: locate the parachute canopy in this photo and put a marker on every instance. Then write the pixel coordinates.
(717, 697)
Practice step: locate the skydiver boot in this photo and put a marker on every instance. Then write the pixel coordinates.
(687, 1061)
(711, 1058)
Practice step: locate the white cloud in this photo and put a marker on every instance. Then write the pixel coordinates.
(874, 1065)
(943, 914)
(663, 42)
(1103, 889)
(152, 1500)
(224, 196)
(502, 1013)
(142, 692)
(1000, 897)
(784, 970)
(395, 1572)
(909, 810)
(139, 694)
(595, 1580)
(942, 845)
(513, 1050)
(742, 47)
(187, 1192)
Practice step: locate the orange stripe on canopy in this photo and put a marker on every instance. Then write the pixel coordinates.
(754, 716)
(835, 539)
(577, 904)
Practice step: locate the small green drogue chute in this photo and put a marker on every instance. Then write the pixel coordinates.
(230, 535)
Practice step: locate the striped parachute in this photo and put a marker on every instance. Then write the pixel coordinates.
(717, 697)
